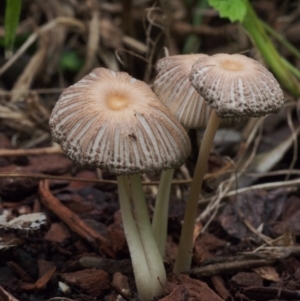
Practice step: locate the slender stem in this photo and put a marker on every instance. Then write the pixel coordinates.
(153, 258)
(160, 216)
(184, 256)
(136, 249)
(291, 67)
(281, 39)
(255, 28)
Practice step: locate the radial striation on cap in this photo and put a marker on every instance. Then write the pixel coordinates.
(173, 88)
(236, 86)
(115, 122)
(175, 91)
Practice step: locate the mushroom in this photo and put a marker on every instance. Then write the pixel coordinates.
(112, 121)
(175, 91)
(233, 86)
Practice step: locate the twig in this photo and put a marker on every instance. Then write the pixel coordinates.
(71, 219)
(230, 267)
(4, 295)
(92, 43)
(55, 149)
(64, 178)
(274, 173)
(61, 178)
(263, 237)
(267, 186)
(39, 91)
(67, 21)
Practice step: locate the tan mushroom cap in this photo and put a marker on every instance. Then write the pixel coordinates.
(115, 122)
(236, 86)
(174, 89)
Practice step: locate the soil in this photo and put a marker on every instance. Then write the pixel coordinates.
(246, 238)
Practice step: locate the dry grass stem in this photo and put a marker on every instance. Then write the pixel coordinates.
(25, 80)
(55, 149)
(92, 44)
(295, 142)
(60, 21)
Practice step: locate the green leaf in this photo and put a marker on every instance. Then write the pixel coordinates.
(234, 10)
(71, 61)
(12, 16)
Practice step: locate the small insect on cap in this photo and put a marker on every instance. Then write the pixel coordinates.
(236, 86)
(115, 122)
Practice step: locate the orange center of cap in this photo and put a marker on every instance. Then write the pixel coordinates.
(232, 65)
(117, 102)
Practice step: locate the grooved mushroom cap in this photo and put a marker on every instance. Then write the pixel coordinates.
(115, 122)
(174, 89)
(235, 85)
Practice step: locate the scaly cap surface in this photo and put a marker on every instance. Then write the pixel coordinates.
(236, 86)
(174, 89)
(115, 122)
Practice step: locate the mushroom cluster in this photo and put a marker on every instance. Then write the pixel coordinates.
(230, 88)
(112, 121)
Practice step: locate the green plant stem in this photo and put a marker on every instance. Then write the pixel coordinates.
(152, 254)
(293, 69)
(254, 27)
(160, 215)
(281, 39)
(184, 256)
(140, 264)
(12, 15)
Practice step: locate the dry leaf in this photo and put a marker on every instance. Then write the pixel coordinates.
(32, 221)
(268, 273)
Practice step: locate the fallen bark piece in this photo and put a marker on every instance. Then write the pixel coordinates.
(197, 290)
(92, 281)
(5, 296)
(179, 293)
(247, 279)
(57, 233)
(40, 283)
(45, 278)
(19, 271)
(120, 287)
(120, 281)
(116, 234)
(71, 219)
(219, 286)
(268, 273)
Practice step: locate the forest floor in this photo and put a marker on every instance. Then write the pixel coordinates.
(246, 239)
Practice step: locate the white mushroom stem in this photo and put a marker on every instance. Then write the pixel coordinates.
(152, 254)
(160, 215)
(146, 260)
(184, 256)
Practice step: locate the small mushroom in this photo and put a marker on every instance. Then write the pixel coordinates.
(173, 88)
(112, 121)
(233, 86)
(236, 86)
(175, 91)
